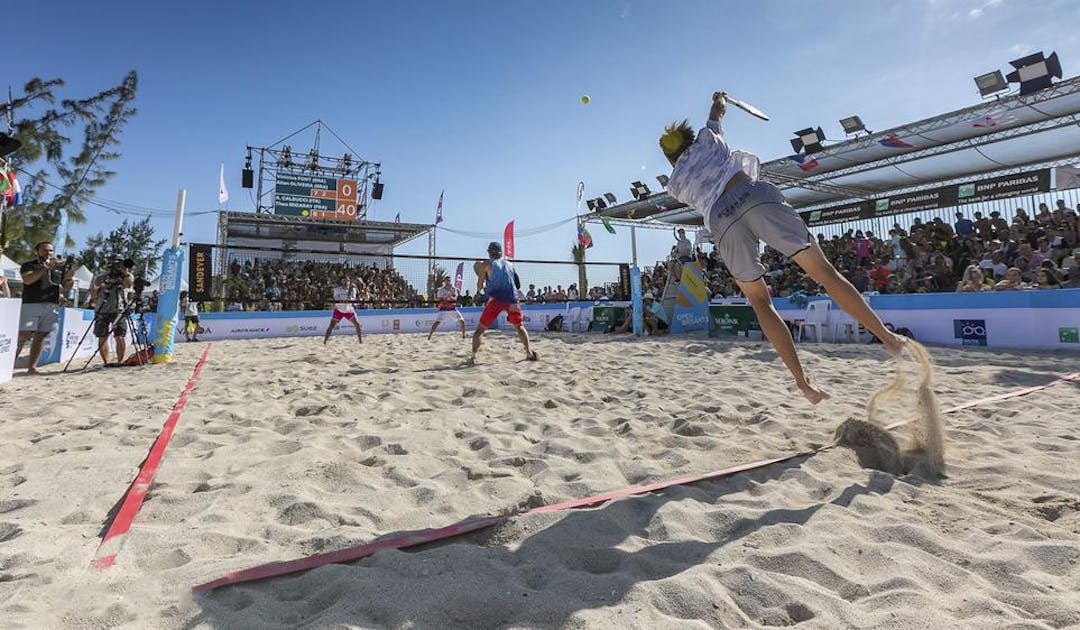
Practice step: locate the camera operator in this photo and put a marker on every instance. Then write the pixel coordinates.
(109, 297)
(43, 278)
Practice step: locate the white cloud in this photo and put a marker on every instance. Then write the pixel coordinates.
(978, 11)
(1021, 49)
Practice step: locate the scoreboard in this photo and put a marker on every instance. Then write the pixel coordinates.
(316, 196)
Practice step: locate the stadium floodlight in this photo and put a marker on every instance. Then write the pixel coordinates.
(639, 190)
(1034, 72)
(991, 83)
(853, 125)
(596, 205)
(808, 139)
(610, 199)
(663, 179)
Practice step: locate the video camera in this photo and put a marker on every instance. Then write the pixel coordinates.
(117, 266)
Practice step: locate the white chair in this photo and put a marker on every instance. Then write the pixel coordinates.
(851, 329)
(817, 317)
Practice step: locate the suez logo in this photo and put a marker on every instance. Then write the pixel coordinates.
(970, 332)
(296, 328)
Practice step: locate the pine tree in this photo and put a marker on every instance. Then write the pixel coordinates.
(54, 180)
(128, 240)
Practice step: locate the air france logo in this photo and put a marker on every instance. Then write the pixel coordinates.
(970, 332)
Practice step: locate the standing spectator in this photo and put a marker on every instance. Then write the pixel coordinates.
(40, 315)
(964, 227)
(684, 250)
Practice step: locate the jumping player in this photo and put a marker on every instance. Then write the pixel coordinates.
(446, 299)
(498, 278)
(739, 210)
(344, 296)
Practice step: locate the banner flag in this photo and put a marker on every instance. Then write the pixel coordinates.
(508, 240)
(200, 266)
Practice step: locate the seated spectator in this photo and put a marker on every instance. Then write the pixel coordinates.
(972, 281)
(1046, 279)
(1044, 252)
(879, 275)
(1073, 281)
(1012, 282)
(1043, 216)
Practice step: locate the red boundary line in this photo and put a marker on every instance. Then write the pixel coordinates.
(419, 537)
(136, 492)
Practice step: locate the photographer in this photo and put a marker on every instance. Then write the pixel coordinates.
(42, 279)
(109, 297)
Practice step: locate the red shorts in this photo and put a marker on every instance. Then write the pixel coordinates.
(494, 307)
(337, 316)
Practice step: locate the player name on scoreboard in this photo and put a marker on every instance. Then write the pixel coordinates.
(316, 196)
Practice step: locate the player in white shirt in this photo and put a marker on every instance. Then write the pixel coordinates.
(446, 299)
(344, 297)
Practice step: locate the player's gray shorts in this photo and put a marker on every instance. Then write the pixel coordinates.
(751, 212)
(39, 317)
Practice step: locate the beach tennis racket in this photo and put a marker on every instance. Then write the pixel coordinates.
(746, 107)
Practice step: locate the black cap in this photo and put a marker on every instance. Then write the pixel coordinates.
(494, 249)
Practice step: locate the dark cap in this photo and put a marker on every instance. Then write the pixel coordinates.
(494, 249)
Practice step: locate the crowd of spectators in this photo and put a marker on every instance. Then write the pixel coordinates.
(980, 254)
(983, 253)
(275, 285)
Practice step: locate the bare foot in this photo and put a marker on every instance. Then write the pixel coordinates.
(471, 361)
(895, 345)
(813, 394)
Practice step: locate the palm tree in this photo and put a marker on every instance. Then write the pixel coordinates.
(578, 251)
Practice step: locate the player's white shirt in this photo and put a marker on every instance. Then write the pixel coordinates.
(343, 299)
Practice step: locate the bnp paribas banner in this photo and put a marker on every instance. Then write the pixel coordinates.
(691, 302)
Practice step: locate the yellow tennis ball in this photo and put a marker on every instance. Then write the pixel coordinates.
(585, 99)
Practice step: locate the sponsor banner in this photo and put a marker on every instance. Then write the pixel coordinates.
(168, 304)
(200, 271)
(9, 335)
(967, 319)
(691, 302)
(624, 280)
(1004, 187)
(944, 197)
(837, 214)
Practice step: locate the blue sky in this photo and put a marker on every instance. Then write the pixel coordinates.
(482, 98)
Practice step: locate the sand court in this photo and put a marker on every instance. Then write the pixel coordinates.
(287, 449)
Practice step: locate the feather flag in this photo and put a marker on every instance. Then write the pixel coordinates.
(397, 218)
(438, 210)
(584, 237)
(607, 224)
(61, 236)
(805, 162)
(895, 143)
(508, 240)
(459, 275)
(222, 192)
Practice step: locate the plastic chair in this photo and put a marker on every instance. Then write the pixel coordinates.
(817, 317)
(851, 329)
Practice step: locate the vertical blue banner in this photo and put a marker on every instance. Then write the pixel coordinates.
(691, 302)
(635, 299)
(168, 304)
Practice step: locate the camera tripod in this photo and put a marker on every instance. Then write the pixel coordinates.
(127, 308)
